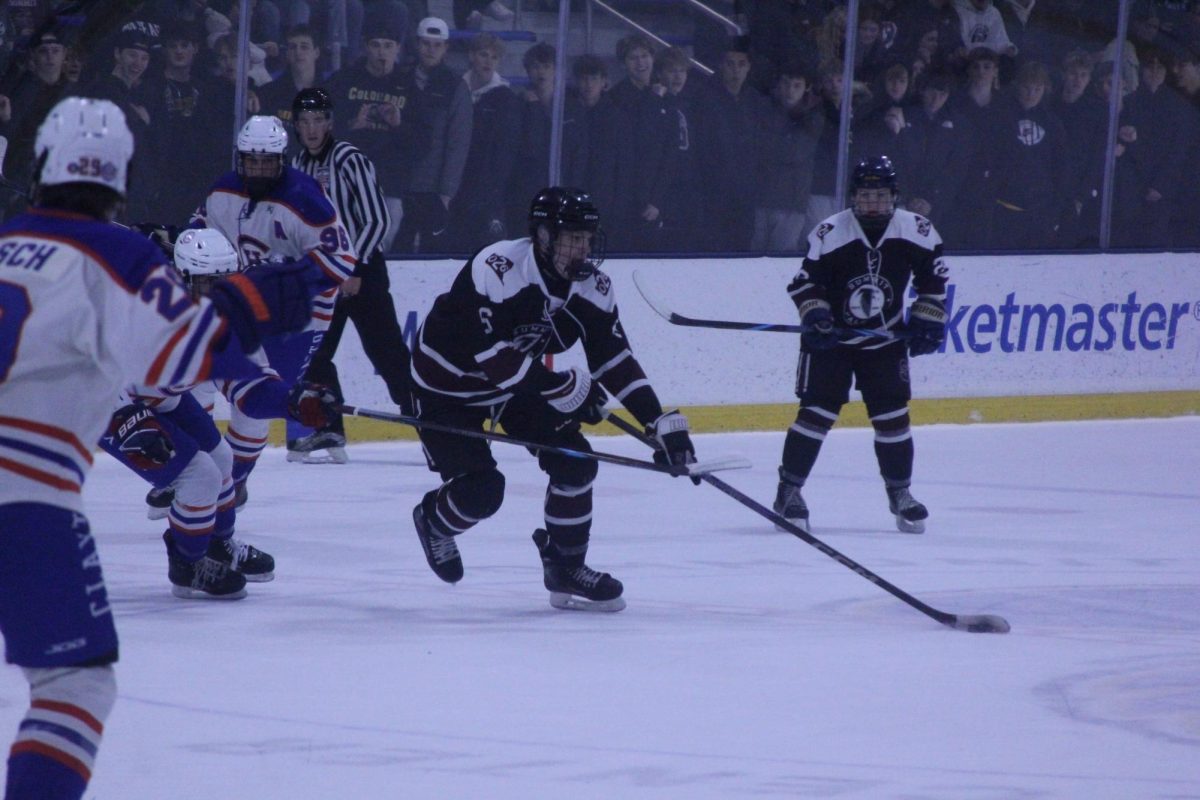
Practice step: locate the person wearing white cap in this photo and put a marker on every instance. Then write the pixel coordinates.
(443, 104)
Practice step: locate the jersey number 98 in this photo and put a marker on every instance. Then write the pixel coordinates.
(334, 238)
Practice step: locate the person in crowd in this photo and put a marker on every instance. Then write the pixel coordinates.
(873, 51)
(886, 127)
(943, 145)
(981, 26)
(979, 103)
(686, 227)
(1185, 213)
(822, 199)
(470, 14)
(303, 55)
(916, 19)
(479, 357)
(1082, 114)
(1028, 161)
(23, 111)
(477, 215)
(598, 118)
(374, 100)
(855, 277)
(443, 102)
(785, 169)
(347, 177)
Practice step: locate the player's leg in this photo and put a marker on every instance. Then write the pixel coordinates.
(882, 377)
(291, 357)
(374, 316)
(322, 370)
(472, 488)
(823, 386)
(246, 437)
(563, 543)
(192, 518)
(253, 564)
(58, 628)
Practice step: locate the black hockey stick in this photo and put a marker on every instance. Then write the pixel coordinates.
(769, 327)
(697, 470)
(973, 623)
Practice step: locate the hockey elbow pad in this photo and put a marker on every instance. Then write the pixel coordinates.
(926, 325)
(267, 300)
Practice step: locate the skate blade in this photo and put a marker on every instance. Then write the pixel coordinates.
(188, 593)
(802, 524)
(572, 602)
(333, 455)
(909, 526)
(262, 577)
(156, 513)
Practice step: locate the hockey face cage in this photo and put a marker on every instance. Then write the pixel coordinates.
(565, 209)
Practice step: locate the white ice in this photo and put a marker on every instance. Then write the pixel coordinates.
(747, 665)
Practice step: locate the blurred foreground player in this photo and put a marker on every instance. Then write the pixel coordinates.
(86, 307)
(478, 358)
(855, 275)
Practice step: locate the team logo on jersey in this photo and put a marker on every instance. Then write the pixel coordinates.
(923, 226)
(603, 283)
(823, 229)
(499, 265)
(253, 251)
(866, 297)
(532, 338)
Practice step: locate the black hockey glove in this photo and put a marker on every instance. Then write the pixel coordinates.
(140, 437)
(312, 404)
(818, 329)
(926, 326)
(670, 431)
(267, 300)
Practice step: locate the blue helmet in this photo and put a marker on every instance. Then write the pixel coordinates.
(874, 172)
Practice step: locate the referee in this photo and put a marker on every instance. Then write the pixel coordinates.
(348, 178)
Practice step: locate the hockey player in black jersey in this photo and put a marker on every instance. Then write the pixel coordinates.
(478, 357)
(855, 276)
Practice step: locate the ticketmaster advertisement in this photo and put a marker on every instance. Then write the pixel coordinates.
(1027, 325)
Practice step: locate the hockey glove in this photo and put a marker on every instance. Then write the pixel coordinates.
(670, 432)
(926, 326)
(140, 437)
(267, 300)
(818, 329)
(312, 404)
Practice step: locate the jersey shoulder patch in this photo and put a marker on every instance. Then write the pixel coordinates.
(832, 233)
(500, 270)
(598, 290)
(916, 229)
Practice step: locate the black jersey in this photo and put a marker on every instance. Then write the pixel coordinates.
(483, 340)
(864, 286)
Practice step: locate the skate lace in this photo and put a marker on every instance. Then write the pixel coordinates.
(903, 500)
(586, 576)
(443, 548)
(207, 572)
(238, 551)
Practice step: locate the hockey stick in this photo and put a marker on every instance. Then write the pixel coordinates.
(769, 327)
(696, 470)
(973, 623)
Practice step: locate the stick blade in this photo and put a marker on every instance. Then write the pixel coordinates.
(980, 623)
(651, 300)
(718, 465)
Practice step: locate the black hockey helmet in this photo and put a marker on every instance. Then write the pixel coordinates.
(312, 99)
(874, 172)
(562, 208)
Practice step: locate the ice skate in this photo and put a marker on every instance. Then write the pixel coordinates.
(205, 579)
(440, 551)
(253, 564)
(158, 502)
(306, 449)
(576, 588)
(910, 515)
(791, 506)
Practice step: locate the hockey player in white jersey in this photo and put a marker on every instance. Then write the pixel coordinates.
(85, 308)
(275, 213)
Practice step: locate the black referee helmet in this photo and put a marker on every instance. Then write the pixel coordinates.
(312, 99)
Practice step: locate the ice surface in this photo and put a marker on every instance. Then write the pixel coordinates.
(747, 665)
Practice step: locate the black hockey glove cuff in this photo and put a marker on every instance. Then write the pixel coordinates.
(818, 328)
(140, 437)
(670, 432)
(926, 326)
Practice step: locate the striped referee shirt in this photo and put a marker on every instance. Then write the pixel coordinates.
(348, 178)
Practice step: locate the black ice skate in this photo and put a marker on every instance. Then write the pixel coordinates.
(791, 506)
(253, 564)
(576, 588)
(440, 551)
(158, 502)
(305, 450)
(205, 579)
(910, 515)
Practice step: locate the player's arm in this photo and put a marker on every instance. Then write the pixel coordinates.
(927, 315)
(368, 210)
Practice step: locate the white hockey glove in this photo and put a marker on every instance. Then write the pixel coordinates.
(670, 431)
(578, 398)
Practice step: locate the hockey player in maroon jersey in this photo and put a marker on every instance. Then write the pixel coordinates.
(478, 358)
(855, 276)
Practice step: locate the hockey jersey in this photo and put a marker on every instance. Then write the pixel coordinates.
(294, 220)
(85, 308)
(484, 339)
(864, 285)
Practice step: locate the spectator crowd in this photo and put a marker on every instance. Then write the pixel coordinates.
(995, 113)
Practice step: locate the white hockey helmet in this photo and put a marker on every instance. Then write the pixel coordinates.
(204, 255)
(83, 140)
(262, 134)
